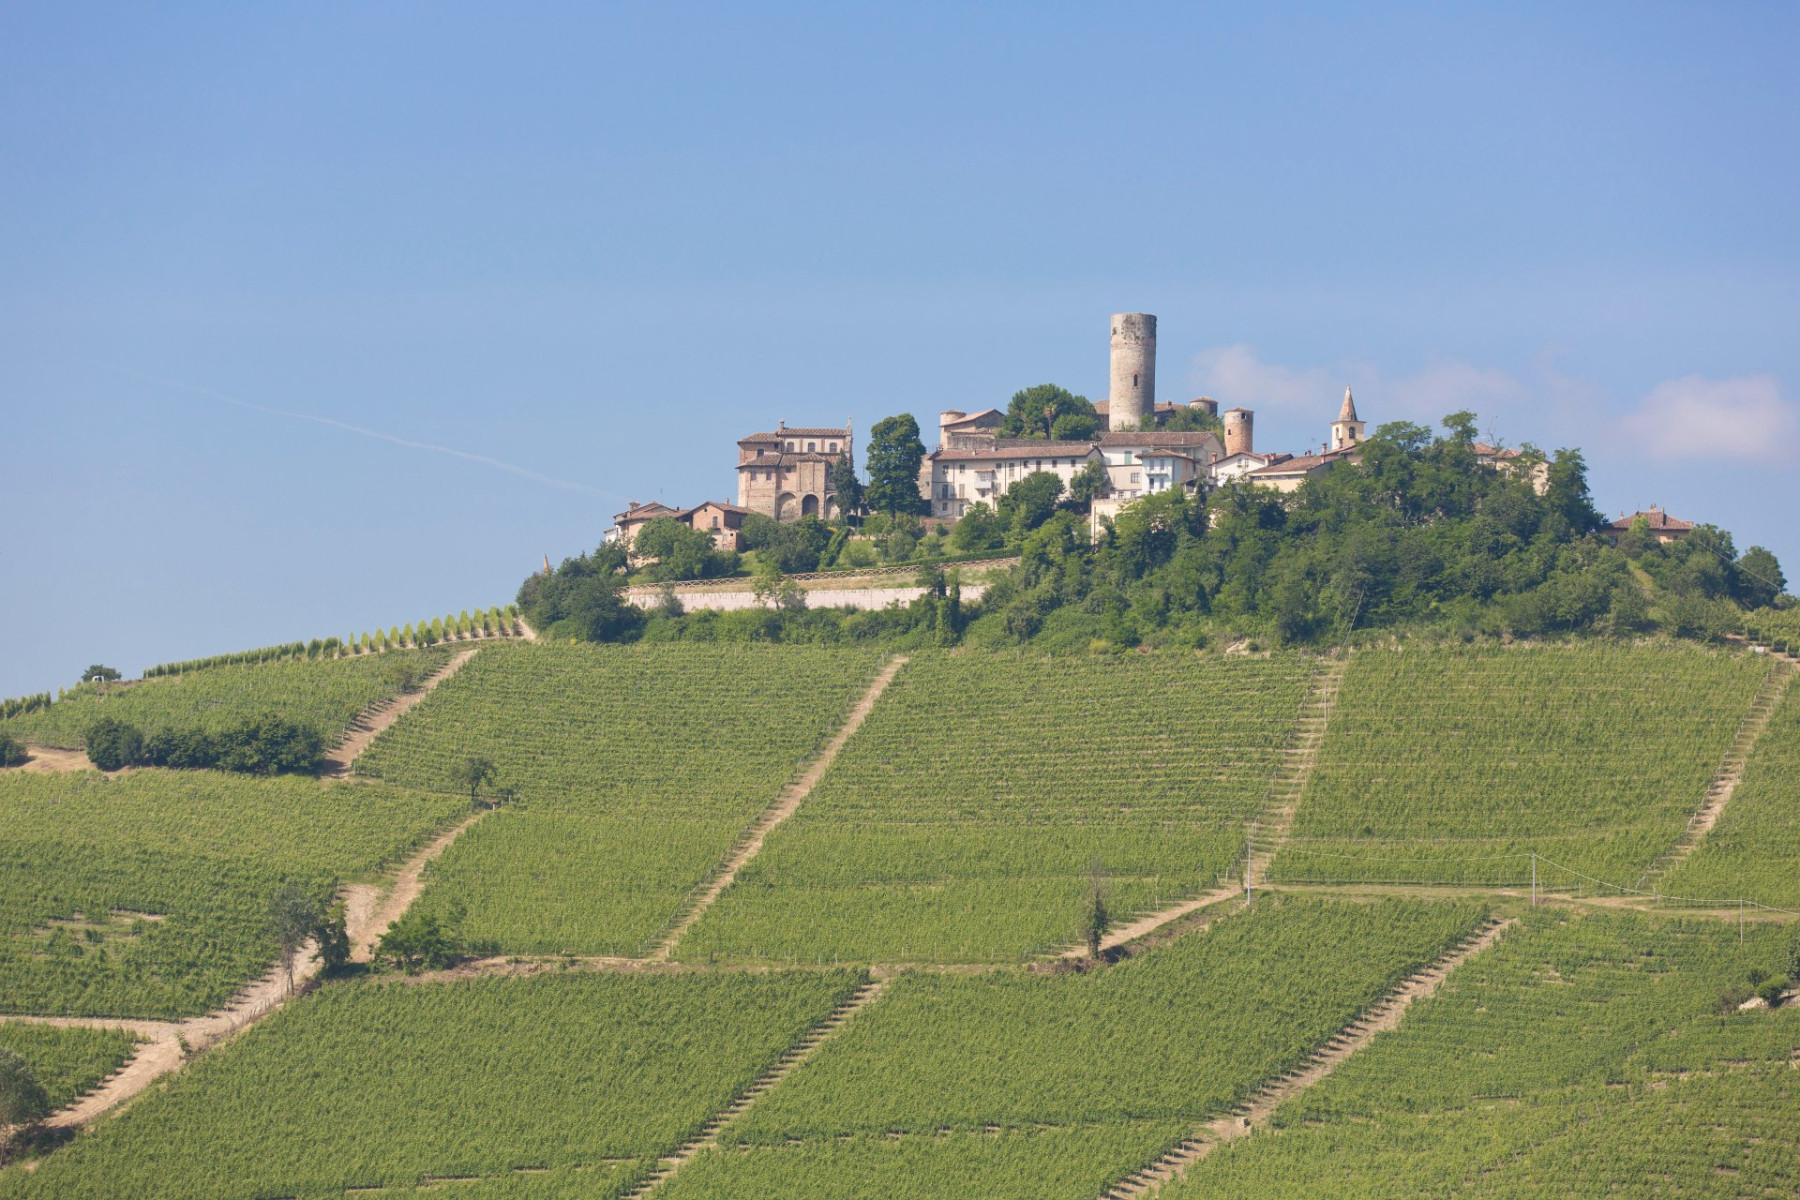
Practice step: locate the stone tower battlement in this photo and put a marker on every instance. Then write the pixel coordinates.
(1131, 398)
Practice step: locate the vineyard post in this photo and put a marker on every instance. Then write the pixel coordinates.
(1740, 922)
(1534, 899)
(1247, 896)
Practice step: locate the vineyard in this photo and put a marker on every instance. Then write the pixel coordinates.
(148, 895)
(485, 623)
(1754, 850)
(1456, 766)
(585, 1075)
(1779, 628)
(1581, 1056)
(964, 820)
(323, 694)
(67, 1062)
(869, 997)
(635, 770)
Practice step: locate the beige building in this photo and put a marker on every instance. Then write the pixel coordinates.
(1661, 526)
(787, 474)
(954, 478)
(725, 522)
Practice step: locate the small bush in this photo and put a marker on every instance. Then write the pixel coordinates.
(114, 744)
(1771, 991)
(12, 750)
(1733, 997)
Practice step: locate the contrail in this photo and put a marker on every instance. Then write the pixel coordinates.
(484, 459)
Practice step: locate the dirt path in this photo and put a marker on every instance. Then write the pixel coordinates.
(369, 911)
(46, 760)
(1270, 828)
(1255, 1112)
(525, 631)
(784, 807)
(370, 723)
(1731, 771)
(802, 1050)
(168, 1044)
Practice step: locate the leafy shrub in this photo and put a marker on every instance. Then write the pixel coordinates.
(113, 744)
(12, 750)
(1772, 989)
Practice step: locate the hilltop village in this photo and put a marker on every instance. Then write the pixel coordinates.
(1136, 446)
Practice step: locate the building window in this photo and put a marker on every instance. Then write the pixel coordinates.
(812, 447)
(1134, 477)
(833, 447)
(715, 522)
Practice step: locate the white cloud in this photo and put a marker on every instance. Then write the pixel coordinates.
(1742, 417)
(1236, 375)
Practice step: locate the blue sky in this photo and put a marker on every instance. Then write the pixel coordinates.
(601, 244)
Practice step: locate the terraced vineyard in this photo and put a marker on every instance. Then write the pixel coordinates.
(583, 1076)
(1596, 1048)
(1455, 765)
(148, 895)
(1754, 849)
(325, 694)
(964, 820)
(1117, 1063)
(636, 769)
(67, 1062)
(1581, 1056)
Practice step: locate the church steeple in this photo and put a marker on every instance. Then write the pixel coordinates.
(1347, 430)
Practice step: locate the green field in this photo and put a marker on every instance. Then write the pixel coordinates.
(637, 769)
(1753, 851)
(67, 1062)
(148, 894)
(1454, 765)
(1580, 1056)
(324, 694)
(1073, 1080)
(376, 1085)
(964, 820)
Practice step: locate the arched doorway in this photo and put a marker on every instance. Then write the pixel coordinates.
(809, 505)
(784, 507)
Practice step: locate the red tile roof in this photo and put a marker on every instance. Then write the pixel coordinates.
(1656, 518)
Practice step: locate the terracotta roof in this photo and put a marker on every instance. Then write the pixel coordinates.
(1018, 448)
(1656, 518)
(794, 431)
(783, 459)
(1300, 464)
(1157, 437)
(722, 506)
(648, 512)
(1483, 450)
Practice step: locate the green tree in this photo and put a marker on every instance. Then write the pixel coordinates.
(333, 937)
(473, 773)
(23, 1101)
(679, 551)
(1049, 411)
(1192, 418)
(1097, 917)
(583, 599)
(895, 454)
(976, 530)
(841, 478)
(99, 673)
(417, 942)
(112, 744)
(1759, 579)
(1089, 482)
(12, 750)
(294, 917)
(1029, 502)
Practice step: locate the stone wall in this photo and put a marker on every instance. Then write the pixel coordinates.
(650, 597)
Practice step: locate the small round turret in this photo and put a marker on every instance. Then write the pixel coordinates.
(1240, 429)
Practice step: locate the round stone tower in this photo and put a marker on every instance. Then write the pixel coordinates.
(1131, 400)
(1240, 427)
